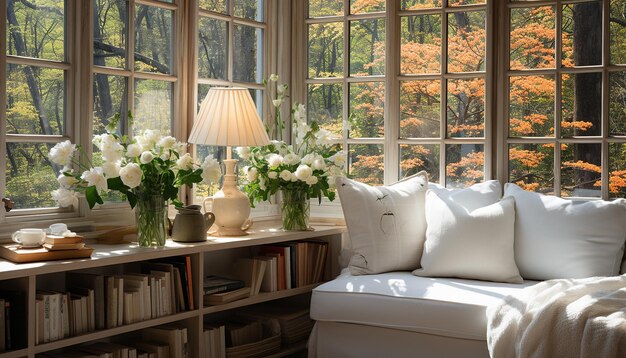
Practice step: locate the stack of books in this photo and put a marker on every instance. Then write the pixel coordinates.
(219, 290)
(57, 243)
(214, 342)
(294, 319)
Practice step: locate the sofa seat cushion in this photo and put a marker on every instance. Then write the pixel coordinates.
(399, 300)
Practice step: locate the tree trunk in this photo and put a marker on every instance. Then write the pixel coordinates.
(102, 89)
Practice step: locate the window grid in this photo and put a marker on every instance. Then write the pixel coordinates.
(558, 141)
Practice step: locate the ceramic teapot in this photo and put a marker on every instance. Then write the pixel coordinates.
(190, 225)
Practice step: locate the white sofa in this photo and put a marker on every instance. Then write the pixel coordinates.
(397, 314)
(400, 314)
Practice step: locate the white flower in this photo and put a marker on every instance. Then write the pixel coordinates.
(165, 155)
(65, 197)
(299, 112)
(131, 175)
(180, 147)
(303, 172)
(293, 177)
(281, 89)
(146, 157)
(252, 174)
(308, 159)
(66, 181)
(211, 170)
(339, 159)
(277, 102)
(95, 177)
(312, 180)
(243, 152)
(274, 160)
(291, 159)
(111, 169)
(148, 140)
(185, 162)
(62, 153)
(133, 150)
(167, 142)
(285, 175)
(111, 149)
(319, 164)
(272, 175)
(262, 185)
(274, 77)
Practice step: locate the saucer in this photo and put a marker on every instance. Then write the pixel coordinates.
(30, 246)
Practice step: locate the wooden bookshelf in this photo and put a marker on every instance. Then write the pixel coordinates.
(29, 277)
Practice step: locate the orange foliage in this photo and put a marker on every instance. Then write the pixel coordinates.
(617, 181)
(580, 125)
(469, 169)
(414, 161)
(470, 130)
(528, 158)
(372, 166)
(580, 165)
(364, 5)
(527, 186)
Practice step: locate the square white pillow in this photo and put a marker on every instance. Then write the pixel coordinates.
(386, 224)
(473, 197)
(468, 242)
(559, 238)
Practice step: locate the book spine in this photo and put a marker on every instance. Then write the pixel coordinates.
(189, 282)
(65, 316)
(54, 317)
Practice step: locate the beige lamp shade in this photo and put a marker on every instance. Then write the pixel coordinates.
(228, 117)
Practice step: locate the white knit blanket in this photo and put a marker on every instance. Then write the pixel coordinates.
(561, 318)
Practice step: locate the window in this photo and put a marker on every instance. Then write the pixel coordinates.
(431, 116)
(35, 99)
(563, 110)
(231, 38)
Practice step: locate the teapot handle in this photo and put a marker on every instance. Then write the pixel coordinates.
(210, 198)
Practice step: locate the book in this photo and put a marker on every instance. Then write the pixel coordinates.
(225, 297)
(15, 253)
(150, 267)
(215, 284)
(57, 247)
(279, 252)
(2, 327)
(15, 318)
(168, 335)
(159, 350)
(184, 266)
(110, 311)
(96, 283)
(56, 239)
(268, 284)
(251, 272)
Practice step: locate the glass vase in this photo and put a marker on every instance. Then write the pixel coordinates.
(151, 219)
(295, 210)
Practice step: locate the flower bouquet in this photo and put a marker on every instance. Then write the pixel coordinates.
(301, 171)
(147, 170)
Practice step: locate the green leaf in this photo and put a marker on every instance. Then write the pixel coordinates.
(132, 199)
(117, 184)
(92, 196)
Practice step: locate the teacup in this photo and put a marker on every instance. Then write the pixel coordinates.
(57, 229)
(29, 237)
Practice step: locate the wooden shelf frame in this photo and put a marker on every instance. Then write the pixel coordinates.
(24, 277)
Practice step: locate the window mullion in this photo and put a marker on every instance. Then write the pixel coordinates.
(3, 101)
(443, 132)
(605, 160)
(392, 99)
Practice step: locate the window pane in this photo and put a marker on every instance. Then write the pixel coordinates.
(531, 166)
(532, 46)
(36, 28)
(420, 50)
(153, 39)
(212, 48)
(203, 89)
(366, 110)
(249, 9)
(325, 105)
(366, 163)
(110, 33)
(325, 54)
(214, 5)
(466, 41)
(581, 104)
(466, 107)
(419, 4)
(464, 2)
(248, 54)
(581, 170)
(617, 170)
(360, 6)
(618, 31)
(110, 97)
(464, 165)
(531, 106)
(30, 176)
(582, 34)
(367, 47)
(617, 103)
(35, 100)
(153, 106)
(415, 158)
(319, 8)
(420, 109)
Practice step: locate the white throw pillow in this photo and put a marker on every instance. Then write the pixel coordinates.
(386, 224)
(476, 196)
(474, 244)
(559, 238)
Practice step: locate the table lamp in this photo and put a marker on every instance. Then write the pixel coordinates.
(228, 117)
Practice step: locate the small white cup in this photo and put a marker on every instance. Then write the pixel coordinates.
(29, 237)
(57, 229)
